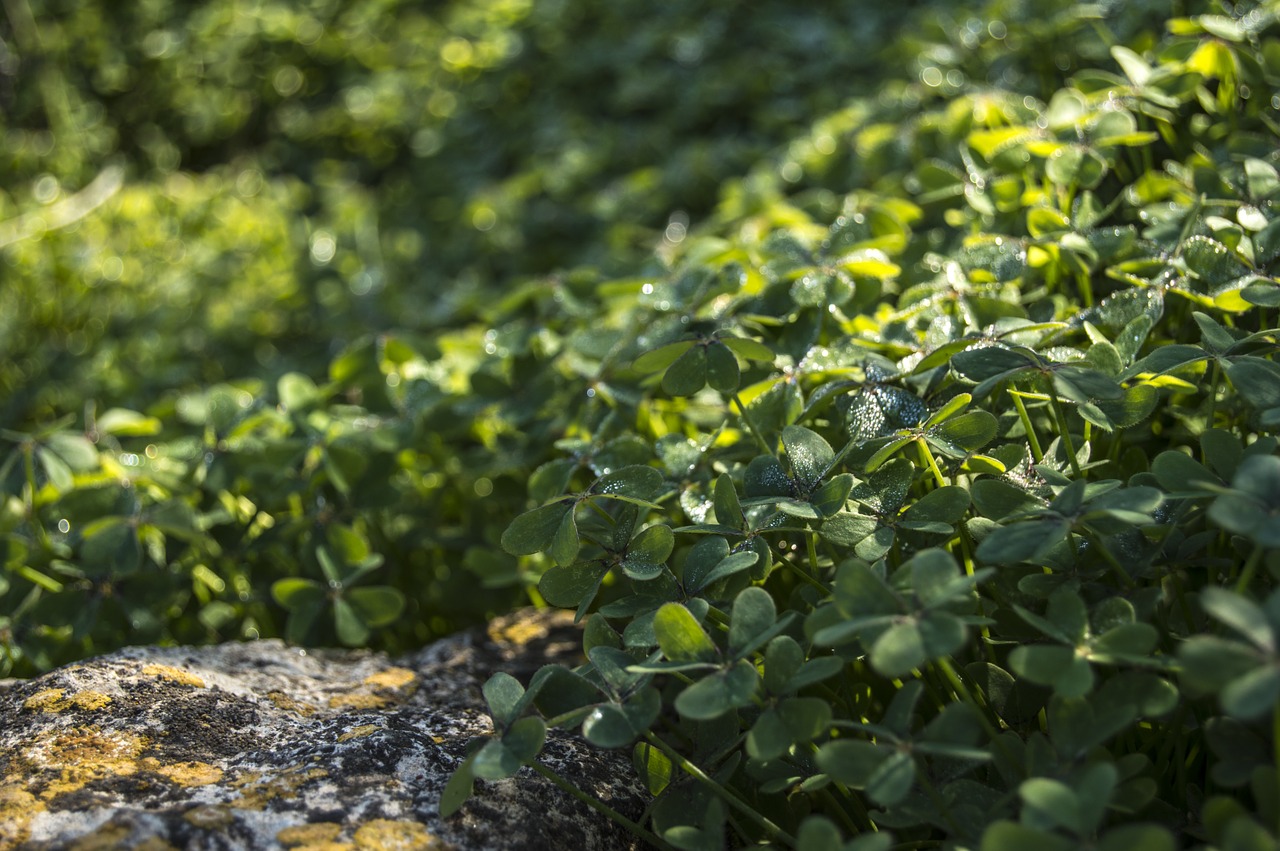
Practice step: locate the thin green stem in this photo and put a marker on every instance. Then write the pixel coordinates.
(930, 462)
(1063, 429)
(1246, 575)
(1034, 442)
(751, 426)
(1116, 567)
(805, 577)
(601, 807)
(728, 796)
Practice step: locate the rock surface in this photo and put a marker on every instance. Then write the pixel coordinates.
(263, 746)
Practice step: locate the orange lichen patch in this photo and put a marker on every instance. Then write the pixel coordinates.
(392, 678)
(177, 675)
(289, 704)
(387, 835)
(112, 837)
(56, 700)
(185, 773)
(17, 806)
(358, 700)
(83, 755)
(209, 817)
(283, 785)
(358, 732)
(312, 837)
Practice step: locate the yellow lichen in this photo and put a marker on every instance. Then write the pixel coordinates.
(392, 678)
(177, 675)
(48, 700)
(17, 806)
(357, 700)
(309, 835)
(283, 785)
(83, 755)
(209, 817)
(90, 700)
(519, 631)
(186, 773)
(56, 700)
(388, 835)
(289, 704)
(358, 732)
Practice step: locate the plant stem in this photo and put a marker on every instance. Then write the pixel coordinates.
(1246, 575)
(1034, 442)
(751, 426)
(601, 807)
(800, 572)
(725, 794)
(930, 462)
(1063, 430)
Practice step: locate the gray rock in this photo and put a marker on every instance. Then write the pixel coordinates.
(264, 746)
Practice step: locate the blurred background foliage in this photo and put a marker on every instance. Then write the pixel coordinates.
(284, 287)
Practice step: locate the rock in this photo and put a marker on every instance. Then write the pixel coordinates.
(264, 746)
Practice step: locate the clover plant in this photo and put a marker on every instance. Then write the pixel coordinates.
(903, 439)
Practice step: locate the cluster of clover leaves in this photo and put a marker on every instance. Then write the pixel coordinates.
(976, 546)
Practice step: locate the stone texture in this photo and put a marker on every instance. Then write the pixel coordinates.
(263, 746)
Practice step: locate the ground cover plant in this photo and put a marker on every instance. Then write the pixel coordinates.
(923, 493)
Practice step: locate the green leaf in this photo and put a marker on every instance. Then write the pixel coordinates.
(1011, 836)
(495, 761)
(783, 658)
(502, 692)
(982, 363)
(296, 593)
(662, 357)
(525, 737)
(637, 481)
(722, 368)
(377, 605)
(688, 374)
(810, 455)
(1053, 803)
(457, 790)
(565, 544)
(568, 587)
(680, 637)
(719, 693)
(753, 614)
(351, 628)
(749, 349)
(125, 423)
(612, 725)
(536, 530)
(970, 431)
(728, 507)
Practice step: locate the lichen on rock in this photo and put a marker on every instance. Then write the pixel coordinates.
(264, 746)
